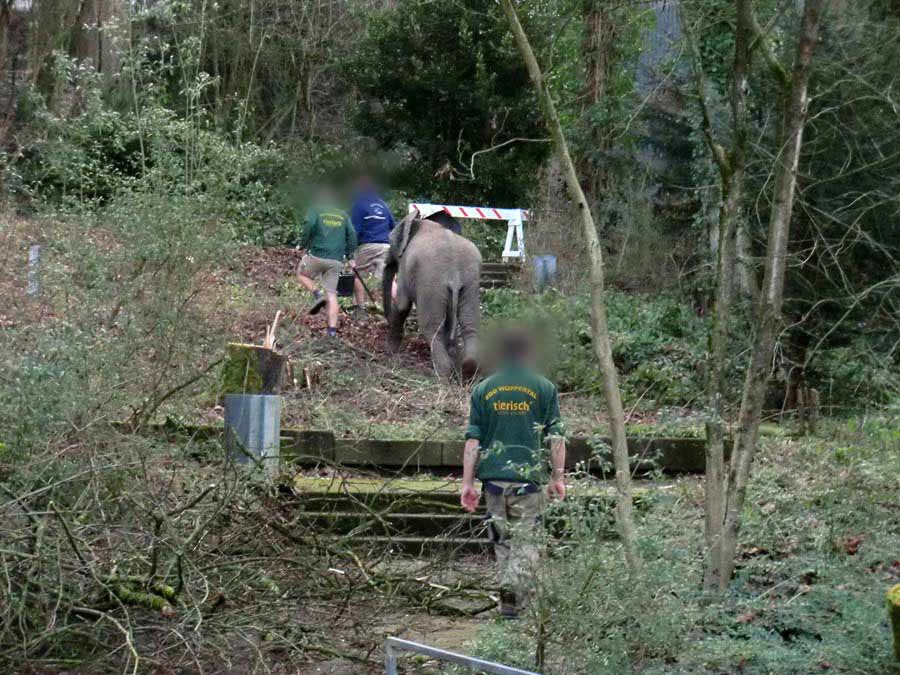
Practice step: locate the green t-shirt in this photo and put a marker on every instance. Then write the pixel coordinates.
(328, 233)
(511, 413)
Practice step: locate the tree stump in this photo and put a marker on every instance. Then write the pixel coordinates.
(252, 369)
(893, 603)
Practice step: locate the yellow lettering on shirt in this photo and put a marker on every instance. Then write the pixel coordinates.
(332, 219)
(512, 406)
(510, 388)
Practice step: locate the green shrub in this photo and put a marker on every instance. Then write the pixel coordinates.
(659, 344)
(817, 552)
(85, 157)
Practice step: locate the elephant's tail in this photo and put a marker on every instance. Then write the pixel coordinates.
(453, 313)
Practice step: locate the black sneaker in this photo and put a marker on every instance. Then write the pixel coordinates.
(317, 306)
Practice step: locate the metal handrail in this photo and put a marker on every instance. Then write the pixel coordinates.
(393, 645)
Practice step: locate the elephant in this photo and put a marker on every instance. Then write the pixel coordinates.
(440, 272)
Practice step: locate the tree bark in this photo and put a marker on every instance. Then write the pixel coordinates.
(599, 324)
(771, 298)
(731, 165)
(600, 33)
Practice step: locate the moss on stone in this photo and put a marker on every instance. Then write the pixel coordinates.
(240, 372)
(251, 369)
(893, 603)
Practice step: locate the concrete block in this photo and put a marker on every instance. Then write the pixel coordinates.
(394, 454)
(307, 447)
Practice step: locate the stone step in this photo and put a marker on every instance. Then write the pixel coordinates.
(412, 515)
(510, 268)
(308, 448)
(414, 546)
(670, 455)
(362, 523)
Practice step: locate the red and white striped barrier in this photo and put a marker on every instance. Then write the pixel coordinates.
(476, 212)
(514, 246)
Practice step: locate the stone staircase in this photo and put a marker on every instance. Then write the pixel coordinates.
(498, 275)
(413, 515)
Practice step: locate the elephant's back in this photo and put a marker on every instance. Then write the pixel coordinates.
(441, 251)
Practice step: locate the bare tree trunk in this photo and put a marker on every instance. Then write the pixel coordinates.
(599, 324)
(600, 33)
(5, 21)
(731, 165)
(771, 297)
(85, 35)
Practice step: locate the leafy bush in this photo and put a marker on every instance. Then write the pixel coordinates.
(84, 156)
(658, 342)
(855, 375)
(818, 550)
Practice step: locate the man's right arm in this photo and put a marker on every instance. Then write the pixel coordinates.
(357, 217)
(309, 225)
(470, 496)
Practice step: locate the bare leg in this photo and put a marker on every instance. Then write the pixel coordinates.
(333, 309)
(306, 282)
(359, 293)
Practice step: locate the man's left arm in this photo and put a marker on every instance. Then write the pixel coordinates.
(553, 428)
(557, 486)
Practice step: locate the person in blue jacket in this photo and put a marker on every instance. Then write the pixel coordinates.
(373, 221)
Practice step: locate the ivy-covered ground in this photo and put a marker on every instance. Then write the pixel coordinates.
(819, 548)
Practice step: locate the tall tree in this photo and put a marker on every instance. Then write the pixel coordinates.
(599, 323)
(794, 87)
(731, 165)
(438, 85)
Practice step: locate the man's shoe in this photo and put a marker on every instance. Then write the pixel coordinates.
(317, 306)
(508, 606)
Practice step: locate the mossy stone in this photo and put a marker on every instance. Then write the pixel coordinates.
(251, 369)
(893, 603)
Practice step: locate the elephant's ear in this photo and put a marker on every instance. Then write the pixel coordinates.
(409, 227)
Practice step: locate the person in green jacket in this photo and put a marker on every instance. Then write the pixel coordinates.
(329, 239)
(512, 413)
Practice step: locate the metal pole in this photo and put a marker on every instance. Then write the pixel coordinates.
(470, 662)
(390, 659)
(34, 263)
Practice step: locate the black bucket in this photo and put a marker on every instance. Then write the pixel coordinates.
(345, 285)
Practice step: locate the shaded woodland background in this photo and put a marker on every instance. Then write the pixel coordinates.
(161, 152)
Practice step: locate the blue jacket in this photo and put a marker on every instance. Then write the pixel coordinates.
(372, 219)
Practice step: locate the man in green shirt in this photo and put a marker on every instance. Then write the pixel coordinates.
(329, 240)
(511, 414)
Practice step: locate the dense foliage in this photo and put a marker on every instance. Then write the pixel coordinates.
(147, 147)
(439, 82)
(809, 590)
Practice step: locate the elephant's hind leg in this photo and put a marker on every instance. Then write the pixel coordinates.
(432, 324)
(400, 310)
(469, 318)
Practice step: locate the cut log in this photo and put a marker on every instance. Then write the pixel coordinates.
(252, 369)
(893, 603)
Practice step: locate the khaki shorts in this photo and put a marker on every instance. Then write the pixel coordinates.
(370, 258)
(513, 525)
(325, 270)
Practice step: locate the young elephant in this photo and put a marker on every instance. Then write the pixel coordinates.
(439, 271)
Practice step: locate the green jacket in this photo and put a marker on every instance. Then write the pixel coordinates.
(511, 413)
(328, 233)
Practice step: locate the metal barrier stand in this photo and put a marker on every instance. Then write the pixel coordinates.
(393, 645)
